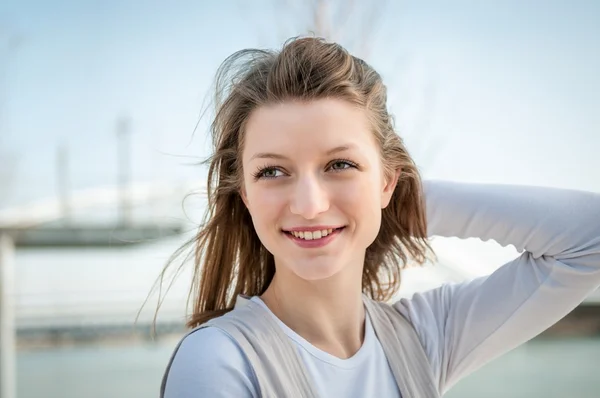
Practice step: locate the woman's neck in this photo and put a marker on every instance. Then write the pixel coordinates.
(329, 314)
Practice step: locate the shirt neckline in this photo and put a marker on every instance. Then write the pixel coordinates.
(354, 361)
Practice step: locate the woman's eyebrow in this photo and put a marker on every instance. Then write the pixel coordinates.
(271, 155)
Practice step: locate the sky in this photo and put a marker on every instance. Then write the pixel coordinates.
(494, 91)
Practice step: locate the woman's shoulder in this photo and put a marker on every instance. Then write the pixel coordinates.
(209, 362)
(210, 341)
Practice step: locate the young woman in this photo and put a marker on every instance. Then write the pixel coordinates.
(316, 206)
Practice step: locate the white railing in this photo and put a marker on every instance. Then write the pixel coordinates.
(41, 211)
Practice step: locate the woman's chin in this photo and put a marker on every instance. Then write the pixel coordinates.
(316, 272)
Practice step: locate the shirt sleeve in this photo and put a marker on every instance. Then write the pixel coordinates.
(209, 363)
(464, 326)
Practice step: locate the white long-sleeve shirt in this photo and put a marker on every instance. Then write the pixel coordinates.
(461, 326)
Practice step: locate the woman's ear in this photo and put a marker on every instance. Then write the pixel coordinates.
(389, 186)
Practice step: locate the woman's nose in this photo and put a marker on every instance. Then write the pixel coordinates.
(309, 198)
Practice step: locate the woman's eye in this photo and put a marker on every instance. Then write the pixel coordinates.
(341, 165)
(269, 173)
(274, 172)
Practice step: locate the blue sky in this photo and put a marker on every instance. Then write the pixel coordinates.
(495, 91)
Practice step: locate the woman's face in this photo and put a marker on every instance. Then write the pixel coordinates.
(314, 185)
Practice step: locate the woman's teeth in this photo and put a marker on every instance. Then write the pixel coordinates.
(311, 235)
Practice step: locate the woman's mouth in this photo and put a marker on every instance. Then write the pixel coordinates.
(312, 235)
(318, 238)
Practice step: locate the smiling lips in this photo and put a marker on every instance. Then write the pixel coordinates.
(314, 236)
(308, 235)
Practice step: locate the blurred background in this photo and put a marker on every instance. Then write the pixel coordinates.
(101, 139)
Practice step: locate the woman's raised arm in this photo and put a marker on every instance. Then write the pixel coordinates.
(464, 326)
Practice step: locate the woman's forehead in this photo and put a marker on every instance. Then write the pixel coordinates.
(323, 126)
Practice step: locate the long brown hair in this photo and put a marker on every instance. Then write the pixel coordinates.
(229, 257)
